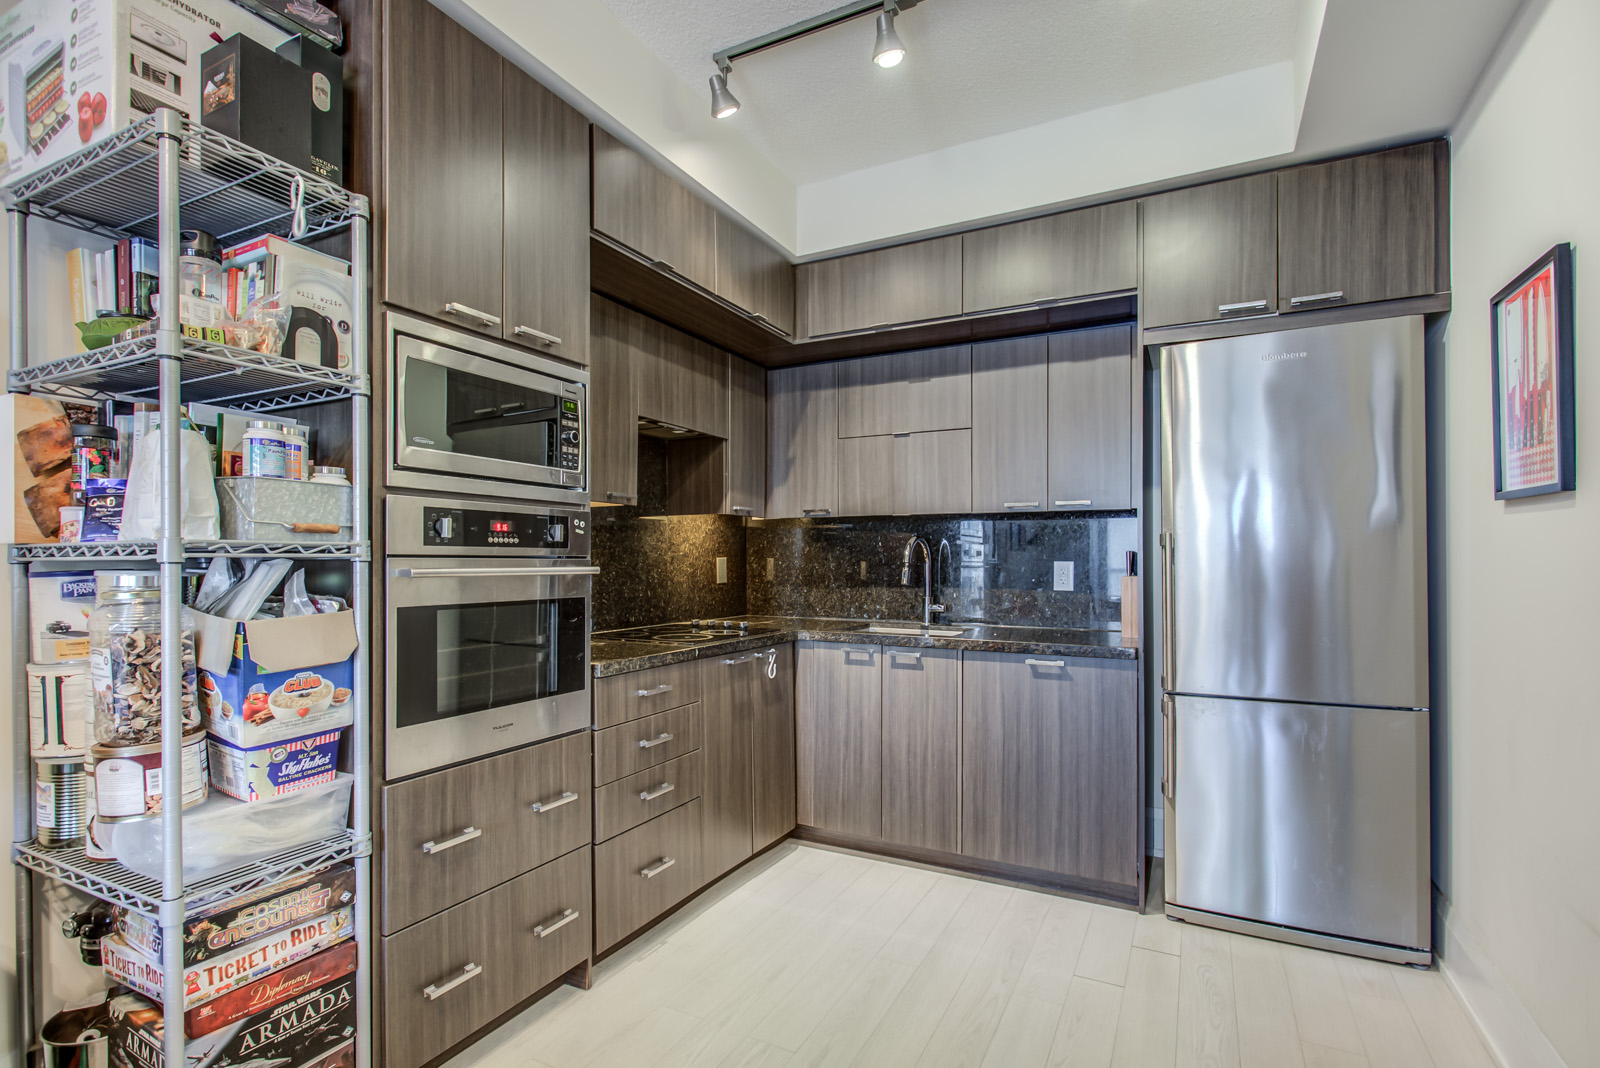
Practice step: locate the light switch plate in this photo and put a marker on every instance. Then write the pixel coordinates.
(722, 570)
(1063, 576)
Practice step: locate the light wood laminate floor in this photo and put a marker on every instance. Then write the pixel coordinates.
(809, 957)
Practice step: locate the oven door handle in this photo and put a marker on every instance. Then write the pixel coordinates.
(490, 572)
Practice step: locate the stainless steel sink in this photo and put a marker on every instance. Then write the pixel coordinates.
(914, 631)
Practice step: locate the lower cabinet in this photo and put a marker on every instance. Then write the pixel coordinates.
(772, 744)
(643, 873)
(447, 976)
(1050, 764)
(728, 686)
(838, 738)
(922, 748)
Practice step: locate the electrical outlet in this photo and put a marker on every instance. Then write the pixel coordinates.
(722, 570)
(772, 568)
(863, 569)
(1063, 576)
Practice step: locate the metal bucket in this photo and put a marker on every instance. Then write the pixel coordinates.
(78, 1038)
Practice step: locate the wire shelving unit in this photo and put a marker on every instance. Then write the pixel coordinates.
(151, 179)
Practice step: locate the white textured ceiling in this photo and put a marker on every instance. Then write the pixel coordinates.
(818, 107)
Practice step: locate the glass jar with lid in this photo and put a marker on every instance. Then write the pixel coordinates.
(125, 660)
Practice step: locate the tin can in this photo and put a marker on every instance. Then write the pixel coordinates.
(60, 708)
(127, 778)
(60, 801)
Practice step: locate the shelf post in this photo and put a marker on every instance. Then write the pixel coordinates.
(361, 730)
(17, 224)
(169, 558)
(22, 810)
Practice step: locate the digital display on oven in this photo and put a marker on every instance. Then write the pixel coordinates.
(480, 528)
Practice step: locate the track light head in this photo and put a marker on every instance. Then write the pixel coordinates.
(889, 51)
(723, 103)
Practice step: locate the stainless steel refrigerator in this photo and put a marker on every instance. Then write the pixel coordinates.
(1295, 640)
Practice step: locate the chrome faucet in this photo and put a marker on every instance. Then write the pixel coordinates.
(928, 607)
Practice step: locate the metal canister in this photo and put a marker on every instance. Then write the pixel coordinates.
(60, 801)
(127, 778)
(77, 1038)
(94, 455)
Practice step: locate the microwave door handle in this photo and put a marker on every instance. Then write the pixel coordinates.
(491, 572)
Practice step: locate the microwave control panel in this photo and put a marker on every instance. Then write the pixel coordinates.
(484, 528)
(571, 442)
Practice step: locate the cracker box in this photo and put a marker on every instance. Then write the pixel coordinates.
(74, 73)
(302, 1017)
(59, 603)
(243, 919)
(276, 768)
(276, 680)
(237, 967)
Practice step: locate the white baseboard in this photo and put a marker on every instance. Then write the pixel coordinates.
(1513, 1036)
(1155, 842)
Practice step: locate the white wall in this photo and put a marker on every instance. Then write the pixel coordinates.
(1518, 850)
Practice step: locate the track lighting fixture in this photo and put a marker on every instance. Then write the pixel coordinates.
(723, 103)
(888, 50)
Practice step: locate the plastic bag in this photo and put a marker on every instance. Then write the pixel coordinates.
(296, 602)
(141, 509)
(223, 575)
(261, 327)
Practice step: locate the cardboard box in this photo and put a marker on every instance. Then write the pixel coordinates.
(327, 103)
(308, 1019)
(281, 986)
(256, 677)
(59, 603)
(254, 915)
(252, 94)
(274, 769)
(237, 967)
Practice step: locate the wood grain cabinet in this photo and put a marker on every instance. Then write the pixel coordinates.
(640, 206)
(746, 460)
(903, 284)
(1050, 764)
(772, 748)
(613, 422)
(1091, 418)
(679, 380)
(906, 474)
(1211, 252)
(1070, 254)
(754, 275)
(631, 800)
(802, 442)
(838, 738)
(447, 976)
(922, 747)
(643, 873)
(1359, 229)
(728, 683)
(1011, 425)
(906, 392)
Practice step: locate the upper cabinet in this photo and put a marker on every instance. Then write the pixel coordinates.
(680, 380)
(906, 392)
(613, 426)
(1011, 425)
(1211, 252)
(1073, 254)
(754, 275)
(638, 205)
(802, 442)
(1091, 418)
(1358, 229)
(904, 284)
(485, 189)
(546, 234)
(747, 438)
(443, 177)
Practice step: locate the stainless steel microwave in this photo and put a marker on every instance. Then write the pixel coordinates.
(471, 416)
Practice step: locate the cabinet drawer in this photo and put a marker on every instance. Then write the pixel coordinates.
(632, 747)
(448, 976)
(644, 795)
(453, 834)
(641, 874)
(622, 698)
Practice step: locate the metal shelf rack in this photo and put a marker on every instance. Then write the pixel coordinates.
(140, 182)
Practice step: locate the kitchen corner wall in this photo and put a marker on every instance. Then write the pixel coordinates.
(1000, 569)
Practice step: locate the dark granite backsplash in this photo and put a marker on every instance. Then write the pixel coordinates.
(1001, 568)
(663, 569)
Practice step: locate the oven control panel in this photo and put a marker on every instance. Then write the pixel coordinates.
(571, 437)
(453, 526)
(488, 528)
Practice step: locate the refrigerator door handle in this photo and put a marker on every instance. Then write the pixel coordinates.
(1169, 749)
(1169, 656)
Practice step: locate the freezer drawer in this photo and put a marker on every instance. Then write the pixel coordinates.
(1307, 816)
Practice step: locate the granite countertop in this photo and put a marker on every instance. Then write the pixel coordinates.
(609, 656)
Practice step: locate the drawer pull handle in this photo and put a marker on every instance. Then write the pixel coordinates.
(660, 739)
(433, 993)
(816, 511)
(1242, 306)
(658, 867)
(566, 798)
(1031, 662)
(651, 795)
(665, 687)
(550, 927)
(548, 339)
(915, 654)
(466, 835)
(457, 308)
(1073, 504)
(1317, 298)
(1022, 504)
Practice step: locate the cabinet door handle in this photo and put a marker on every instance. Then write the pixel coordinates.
(665, 687)
(914, 654)
(1242, 306)
(631, 498)
(567, 797)
(868, 653)
(1022, 504)
(539, 335)
(1169, 747)
(1169, 654)
(740, 509)
(738, 659)
(816, 511)
(659, 791)
(1031, 662)
(456, 308)
(471, 971)
(658, 867)
(1317, 298)
(550, 927)
(1073, 504)
(650, 743)
(467, 834)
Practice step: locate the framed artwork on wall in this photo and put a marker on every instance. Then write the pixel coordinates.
(1531, 335)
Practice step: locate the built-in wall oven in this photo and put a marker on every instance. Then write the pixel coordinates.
(468, 415)
(486, 628)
